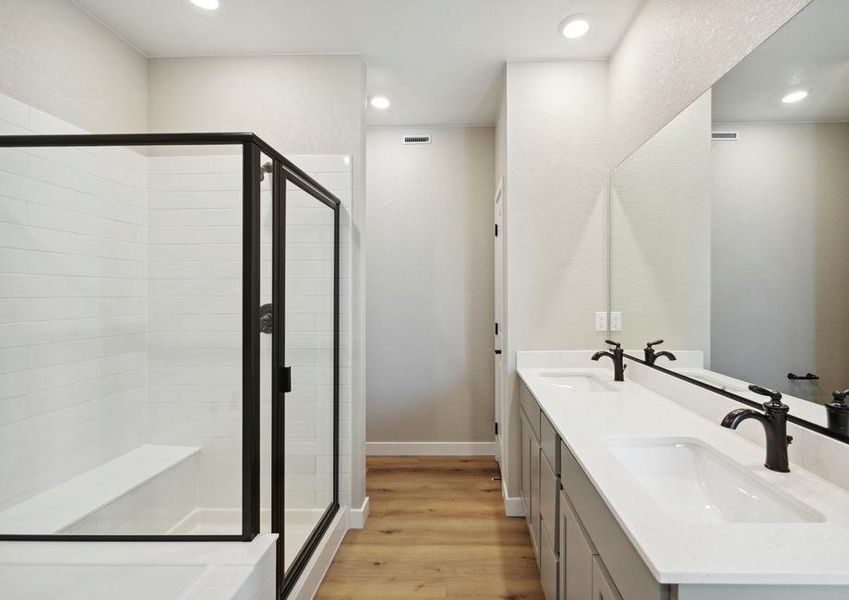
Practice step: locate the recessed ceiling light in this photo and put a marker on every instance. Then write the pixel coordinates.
(795, 96)
(206, 4)
(381, 102)
(575, 26)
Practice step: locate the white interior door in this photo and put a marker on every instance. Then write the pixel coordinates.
(498, 327)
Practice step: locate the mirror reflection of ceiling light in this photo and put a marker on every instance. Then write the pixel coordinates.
(380, 102)
(574, 27)
(795, 96)
(206, 4)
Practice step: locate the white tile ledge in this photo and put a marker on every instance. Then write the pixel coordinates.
(65, 504)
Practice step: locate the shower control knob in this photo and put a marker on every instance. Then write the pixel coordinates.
(266, 318)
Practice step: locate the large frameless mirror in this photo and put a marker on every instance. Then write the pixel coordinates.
(729, 227)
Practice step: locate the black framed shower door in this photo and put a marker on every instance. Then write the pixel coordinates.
(289, 571)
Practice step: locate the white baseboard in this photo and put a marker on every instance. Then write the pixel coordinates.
(314, 572)
(430, 448)
(513, 506)
(357, 516)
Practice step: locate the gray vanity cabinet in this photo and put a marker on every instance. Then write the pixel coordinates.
(618, 568)
(582, 552)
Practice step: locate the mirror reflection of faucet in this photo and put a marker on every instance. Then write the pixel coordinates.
(838, 412)
(651, 355)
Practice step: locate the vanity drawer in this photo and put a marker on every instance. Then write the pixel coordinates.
(627, 570)
(548, 442)
(531, 408)
(549, 489)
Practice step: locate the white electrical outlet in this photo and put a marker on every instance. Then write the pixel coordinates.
(601, 321)
(616, 321)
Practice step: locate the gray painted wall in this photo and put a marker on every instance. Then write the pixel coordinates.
(555, 204)
(430, 298)
(55, 57)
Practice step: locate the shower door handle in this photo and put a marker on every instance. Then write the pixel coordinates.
(285, 379)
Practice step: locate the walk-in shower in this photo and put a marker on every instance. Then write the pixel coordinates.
(139, 397)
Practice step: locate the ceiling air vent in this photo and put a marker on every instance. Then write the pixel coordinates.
(724, 136)
(416, 139)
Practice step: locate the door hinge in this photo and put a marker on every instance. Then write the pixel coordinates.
(496, 230)
(496, 329)
(496, 428)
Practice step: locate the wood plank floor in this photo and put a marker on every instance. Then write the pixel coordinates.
(436, 529)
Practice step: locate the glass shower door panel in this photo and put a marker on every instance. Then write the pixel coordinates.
(309, 350)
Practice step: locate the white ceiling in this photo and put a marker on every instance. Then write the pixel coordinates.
(439, 61)
(810, 52)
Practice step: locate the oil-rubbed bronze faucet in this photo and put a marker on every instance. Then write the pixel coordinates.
(651, 355)
(618, 356)
(774, 420)
(838, 412)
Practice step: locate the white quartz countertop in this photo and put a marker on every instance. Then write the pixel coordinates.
(676, 551)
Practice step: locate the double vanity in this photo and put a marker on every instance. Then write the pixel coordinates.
(628, 493)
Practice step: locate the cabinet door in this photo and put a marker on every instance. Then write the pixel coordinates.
(549, 489)
(603, 588)
(576, 556)
(526, 469)
(536, 455)
(548, 569)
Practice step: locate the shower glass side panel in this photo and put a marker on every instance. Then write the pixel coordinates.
(129, 295)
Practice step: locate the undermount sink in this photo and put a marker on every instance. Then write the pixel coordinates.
(577, 382)
(696, 483)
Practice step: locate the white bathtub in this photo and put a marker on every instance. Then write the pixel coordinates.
(98, 582)
(299, 524)
(138, 570)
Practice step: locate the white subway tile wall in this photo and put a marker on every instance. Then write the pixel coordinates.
(194, 318)
(120, 313)
(73, 357)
